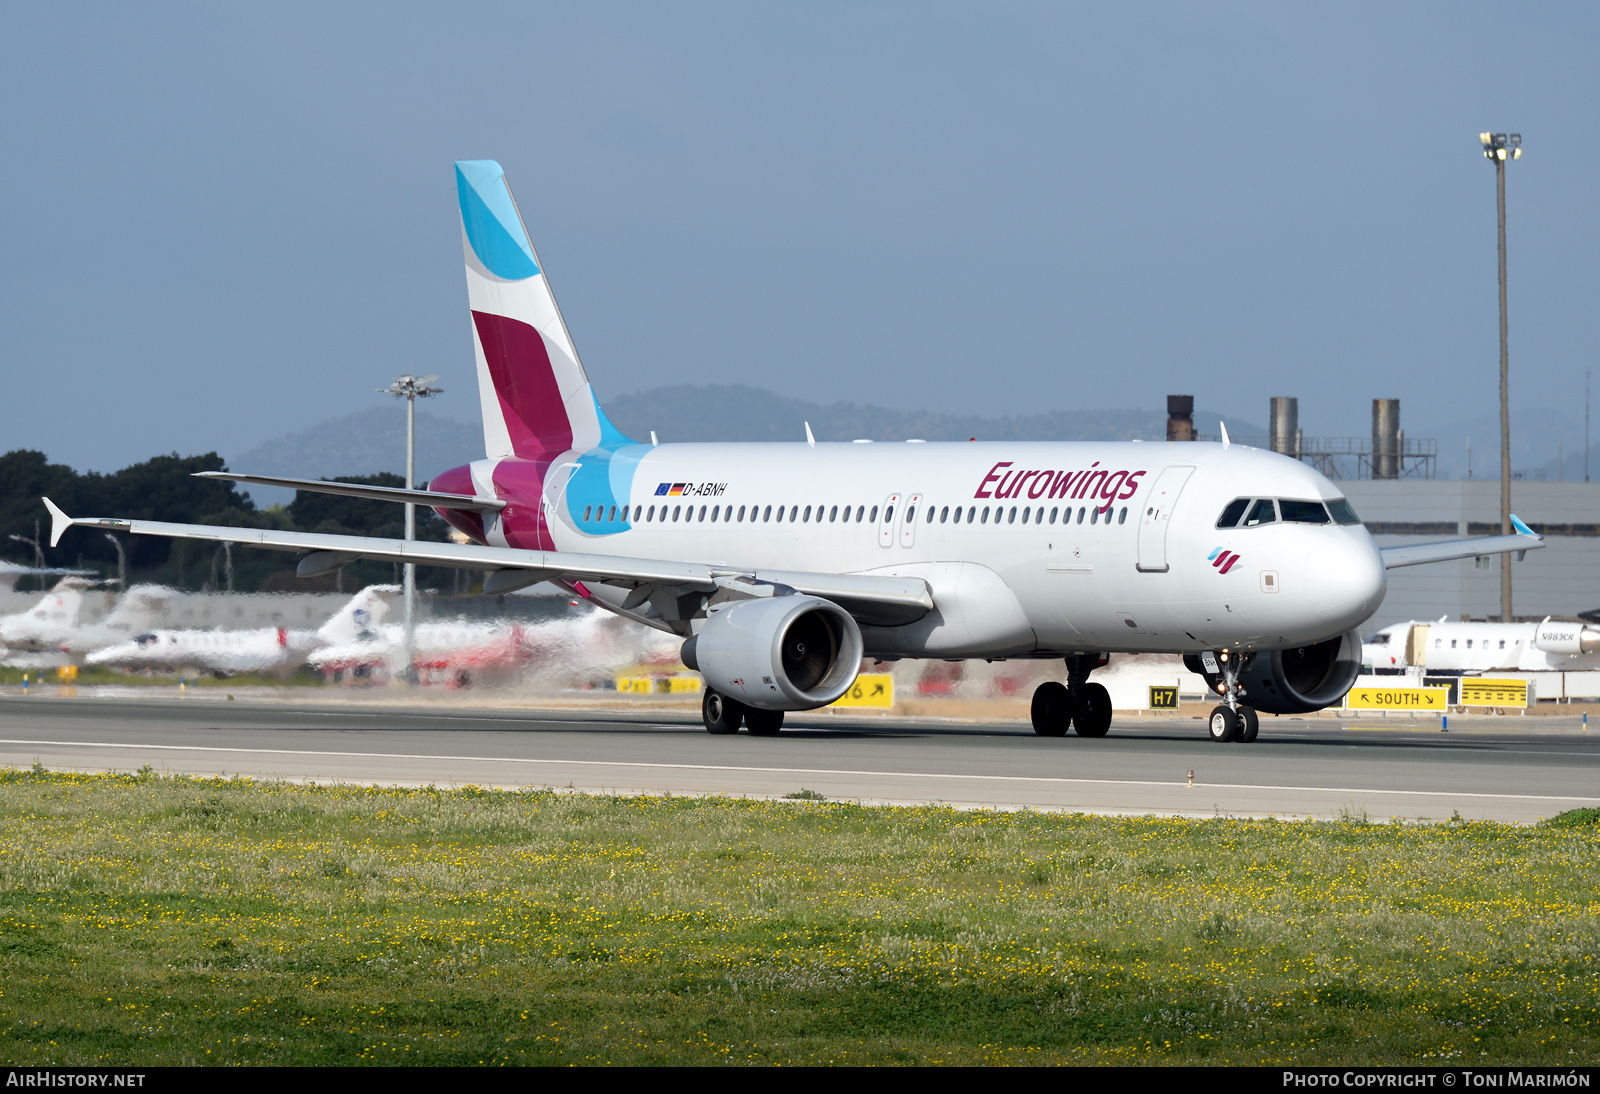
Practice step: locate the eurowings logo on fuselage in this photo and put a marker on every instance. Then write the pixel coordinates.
(1222, 560)
(1103, 486)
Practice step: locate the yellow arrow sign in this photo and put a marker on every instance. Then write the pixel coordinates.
(871, 689)
(1421, 699)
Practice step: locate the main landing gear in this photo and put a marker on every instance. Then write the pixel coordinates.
(723, 715)
(1077, 704)
(1232, 721)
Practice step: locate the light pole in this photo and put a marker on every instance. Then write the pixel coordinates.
(411, 388)
(38, 551)
(1497, 149)
(122, 564)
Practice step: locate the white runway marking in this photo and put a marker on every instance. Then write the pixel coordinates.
(802, 770)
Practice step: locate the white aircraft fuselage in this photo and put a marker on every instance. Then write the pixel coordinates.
(1470, 649)
(1019, 571)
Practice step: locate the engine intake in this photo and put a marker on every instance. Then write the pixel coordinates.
(1295, 681)
(778, 653)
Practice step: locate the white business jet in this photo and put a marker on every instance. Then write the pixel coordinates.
(260, 649)
(782, 565)
(1470, 649)
(73, 619)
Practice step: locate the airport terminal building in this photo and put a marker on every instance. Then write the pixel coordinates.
(1561, 579)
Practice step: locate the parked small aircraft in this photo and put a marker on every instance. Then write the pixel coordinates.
(263, 649)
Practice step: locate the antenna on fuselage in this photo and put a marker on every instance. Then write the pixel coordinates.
(1224, 427)
(653, 438)
(812, 441)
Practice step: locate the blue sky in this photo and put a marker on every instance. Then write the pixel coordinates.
(222, 223)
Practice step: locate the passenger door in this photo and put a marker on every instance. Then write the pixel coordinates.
(1157, 515)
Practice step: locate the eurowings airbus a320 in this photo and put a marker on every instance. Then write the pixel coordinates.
(782, 565)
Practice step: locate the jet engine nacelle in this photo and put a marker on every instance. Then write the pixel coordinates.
(1295, 681)
(1571, 639)
(778, 653)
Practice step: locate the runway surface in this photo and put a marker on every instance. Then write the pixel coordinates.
(1511, 769)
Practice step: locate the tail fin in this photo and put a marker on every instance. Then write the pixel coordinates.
(536, 397)
(364, 612)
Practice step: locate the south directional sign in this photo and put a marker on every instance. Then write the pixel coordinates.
(1422, 700)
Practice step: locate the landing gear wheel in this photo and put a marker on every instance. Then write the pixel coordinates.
(1249, 725)
(1224, 725)
(720, 714)
(1093, 716)
(1052, 709)
(763, 723)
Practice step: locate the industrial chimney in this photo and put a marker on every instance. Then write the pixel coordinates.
(1386, 438)
(1283, 425)
(1180, 417)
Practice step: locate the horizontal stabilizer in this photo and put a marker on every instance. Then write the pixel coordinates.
(359, 490)
(1525, 539)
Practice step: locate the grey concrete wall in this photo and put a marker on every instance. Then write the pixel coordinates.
(1561, 579)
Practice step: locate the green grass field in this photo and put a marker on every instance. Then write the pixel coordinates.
(153, 920)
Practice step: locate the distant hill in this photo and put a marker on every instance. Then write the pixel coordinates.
(365, 443)
(374, 440)
(734, 412)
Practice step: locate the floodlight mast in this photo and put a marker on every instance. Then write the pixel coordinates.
(1497, 149)
(411, 388)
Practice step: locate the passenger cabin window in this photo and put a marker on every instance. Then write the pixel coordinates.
(1261, 513)
(1342, 513)
(1230, 516)
(1302, 512)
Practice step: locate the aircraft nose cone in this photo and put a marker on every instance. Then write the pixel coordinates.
(1347, 583)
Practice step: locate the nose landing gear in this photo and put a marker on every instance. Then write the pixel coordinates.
(1232, 721)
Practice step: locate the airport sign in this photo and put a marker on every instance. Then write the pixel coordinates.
(871, 689)
(1425, 700)
(1477, 691)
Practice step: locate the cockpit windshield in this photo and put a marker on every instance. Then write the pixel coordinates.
(1261, 512)
(1289, 510)
(1342, 512)
(1230, 516)
(1303, 512)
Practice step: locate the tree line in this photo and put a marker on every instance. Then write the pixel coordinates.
(164, 489)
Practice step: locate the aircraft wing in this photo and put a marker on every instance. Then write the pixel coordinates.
(875, 599)
(360, 490)
(1523, 540)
